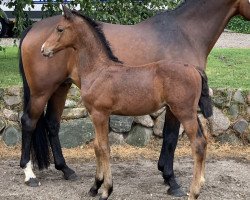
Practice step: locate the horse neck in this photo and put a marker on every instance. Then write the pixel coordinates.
(92, 55)
(203, 21)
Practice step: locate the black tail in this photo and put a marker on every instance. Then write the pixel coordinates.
(205, 102)
(40, 148)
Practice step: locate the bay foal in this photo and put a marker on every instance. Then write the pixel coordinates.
(110, 87)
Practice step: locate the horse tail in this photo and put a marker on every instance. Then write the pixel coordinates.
(40, 148)
(205, 101)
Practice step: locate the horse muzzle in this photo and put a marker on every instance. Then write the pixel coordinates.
(47, 52)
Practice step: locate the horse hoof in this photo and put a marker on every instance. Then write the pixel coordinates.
(93, 192)
(33, 182)
(177, 192)
(70, 177)
(103, 198)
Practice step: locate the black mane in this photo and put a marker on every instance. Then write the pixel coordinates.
(98, 29)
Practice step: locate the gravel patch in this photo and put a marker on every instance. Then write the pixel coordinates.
(226, 40)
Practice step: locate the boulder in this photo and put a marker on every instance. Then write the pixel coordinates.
(70, 103)
(157, 113)
(159, 124)
(241, 126)
(11, 136)
(144, 120)
(238, 97)
(12, 100)
(220, 122)
(74, 113)
(116, 138)
(15, 90)
(2, 124)
(77, 132)
(121, 124)
(74, 91)
(1, 93)
(139, 136)
(229, 138)
(10, 115)
(234, 110)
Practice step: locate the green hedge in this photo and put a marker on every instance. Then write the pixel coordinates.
(238, 24)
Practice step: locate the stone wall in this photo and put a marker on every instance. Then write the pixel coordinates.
(230, 121)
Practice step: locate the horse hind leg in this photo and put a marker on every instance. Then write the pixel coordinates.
(198, 145)
(32, 129)
(166, 160)
(53, 116)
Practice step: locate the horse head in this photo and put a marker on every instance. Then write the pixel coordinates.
(63, 35)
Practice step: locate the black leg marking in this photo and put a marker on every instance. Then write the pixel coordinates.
(94, 189)
(53, 126)
(166, 160)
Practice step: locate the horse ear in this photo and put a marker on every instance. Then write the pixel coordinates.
(67, 13)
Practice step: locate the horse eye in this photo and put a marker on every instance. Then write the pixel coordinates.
(59, 29)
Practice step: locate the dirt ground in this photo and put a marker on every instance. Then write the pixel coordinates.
(135, 174)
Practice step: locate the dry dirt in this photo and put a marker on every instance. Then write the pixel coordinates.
(135, 174)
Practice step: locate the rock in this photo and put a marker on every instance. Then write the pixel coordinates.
(144, 120)
(16, 91)
(211, 92)
(248, 110)
(220, 122)
(2, 124)
(12, 100)
(157, 113)
(10, 115)
(74, 91)
(116, 138)
(70, 103)
(229, 137)
(139, 136)
(74, 113)
(77, 132)
(159, 124)
(238, 97)
(234, 110)
(11, 136)
(240, 126)
(1, 93)
(248, 99)
(121, 124)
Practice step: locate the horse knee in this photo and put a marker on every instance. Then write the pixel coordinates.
(26, 122)
(53, 127)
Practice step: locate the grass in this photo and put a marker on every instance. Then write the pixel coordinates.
(227, 68)
(9, 72)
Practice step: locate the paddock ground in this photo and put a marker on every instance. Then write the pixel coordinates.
(135, 174)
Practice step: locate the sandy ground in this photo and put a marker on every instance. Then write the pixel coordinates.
(135, 174)
(226, 40)
(226, 179)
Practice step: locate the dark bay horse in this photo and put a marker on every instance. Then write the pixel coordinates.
(110, 87)
(186, 34)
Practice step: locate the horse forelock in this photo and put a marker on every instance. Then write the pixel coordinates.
(98, 29)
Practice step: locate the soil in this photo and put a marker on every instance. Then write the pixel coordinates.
(139, 179)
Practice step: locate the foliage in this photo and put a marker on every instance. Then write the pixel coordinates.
(238, 24)
(22, 19)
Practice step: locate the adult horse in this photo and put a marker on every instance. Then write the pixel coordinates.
(111, 87)
(186, 34)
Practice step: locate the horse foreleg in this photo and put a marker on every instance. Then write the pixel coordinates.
(198, 145)
(166, 160)
(102, 151)
(30, 122)
(53, 117)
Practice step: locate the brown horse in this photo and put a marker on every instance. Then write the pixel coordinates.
(186, 34)
(110, 87)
